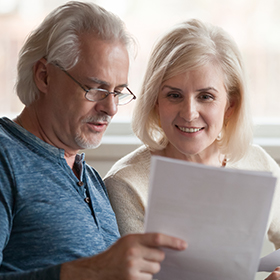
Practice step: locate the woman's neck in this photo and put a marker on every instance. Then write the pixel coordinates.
(212, 157)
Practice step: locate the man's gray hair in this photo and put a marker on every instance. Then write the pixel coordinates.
(57, 40)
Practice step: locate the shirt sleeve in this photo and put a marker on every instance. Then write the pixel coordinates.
(6, 205)
(7, 194)
(49, 273)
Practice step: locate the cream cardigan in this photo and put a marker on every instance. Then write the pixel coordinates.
(128, 180)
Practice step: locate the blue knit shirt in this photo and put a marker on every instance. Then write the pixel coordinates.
(44, 218)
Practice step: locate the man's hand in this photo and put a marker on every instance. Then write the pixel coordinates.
(134, 256)
(275, 275)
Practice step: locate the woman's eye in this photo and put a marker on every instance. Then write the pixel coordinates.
(174, 95)
(206, 97)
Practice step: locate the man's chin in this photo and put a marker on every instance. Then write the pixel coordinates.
(85, 144)
(90, 146)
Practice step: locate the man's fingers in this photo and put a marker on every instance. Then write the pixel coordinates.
(145, 252)
(163, 240)
(150, 267)
(140, 255)
(154, 255)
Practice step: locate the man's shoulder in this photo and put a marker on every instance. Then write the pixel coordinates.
(7, 137)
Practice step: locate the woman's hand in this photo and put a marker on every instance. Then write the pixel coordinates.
(275, 275)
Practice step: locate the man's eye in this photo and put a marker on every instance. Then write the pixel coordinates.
(120, 90)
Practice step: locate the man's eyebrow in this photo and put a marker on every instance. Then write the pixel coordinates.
(97, 81)
(101, 82)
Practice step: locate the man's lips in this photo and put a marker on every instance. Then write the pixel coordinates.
(98, 123)
(98, 126)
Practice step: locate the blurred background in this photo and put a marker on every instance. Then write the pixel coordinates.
(254, 24)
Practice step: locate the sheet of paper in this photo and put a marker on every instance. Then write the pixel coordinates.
(221, 213)
(270, 262)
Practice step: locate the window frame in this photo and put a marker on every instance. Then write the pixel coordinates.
(119, 139)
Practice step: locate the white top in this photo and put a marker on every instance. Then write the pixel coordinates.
(127, 183)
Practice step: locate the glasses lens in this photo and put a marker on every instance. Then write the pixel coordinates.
(125, 97)
(121, 98)
(96, 94)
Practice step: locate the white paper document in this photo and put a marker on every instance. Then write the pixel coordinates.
(270, 262)
(221, 213)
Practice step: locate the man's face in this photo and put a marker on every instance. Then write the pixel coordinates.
(77, 123)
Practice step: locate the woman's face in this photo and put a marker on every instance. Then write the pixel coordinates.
(192, 107)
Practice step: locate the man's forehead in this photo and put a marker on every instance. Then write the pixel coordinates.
(91, 41)
(102, 82)
(103, 62)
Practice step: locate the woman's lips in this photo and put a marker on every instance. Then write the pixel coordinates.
(189, 129)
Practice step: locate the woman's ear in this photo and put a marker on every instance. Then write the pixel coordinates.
(40, 74)
(230, 109)
(156, 108)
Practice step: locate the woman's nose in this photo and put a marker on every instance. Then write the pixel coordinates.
(189, 111)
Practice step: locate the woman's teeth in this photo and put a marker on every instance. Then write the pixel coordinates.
(189, 130)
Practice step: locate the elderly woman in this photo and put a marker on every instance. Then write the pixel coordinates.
(192, 106)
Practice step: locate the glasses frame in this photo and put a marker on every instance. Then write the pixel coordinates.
(107, 93)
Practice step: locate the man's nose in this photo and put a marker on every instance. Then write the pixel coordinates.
(108, 105)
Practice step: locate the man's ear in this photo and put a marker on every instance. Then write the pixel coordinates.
(40, 74)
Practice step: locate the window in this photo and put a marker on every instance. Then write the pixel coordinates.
(254, 24)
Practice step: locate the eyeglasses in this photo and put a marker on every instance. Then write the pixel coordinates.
(122, 97)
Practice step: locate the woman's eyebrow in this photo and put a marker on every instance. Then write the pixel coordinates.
(170, 87)
(198, 90)
(206, 89)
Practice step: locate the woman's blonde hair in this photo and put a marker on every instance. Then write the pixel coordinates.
(187, 46)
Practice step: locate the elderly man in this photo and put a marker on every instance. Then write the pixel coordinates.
(56, 219)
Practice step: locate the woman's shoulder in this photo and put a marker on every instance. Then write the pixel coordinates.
(137, 161)
(256, 152)
(257, 159)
